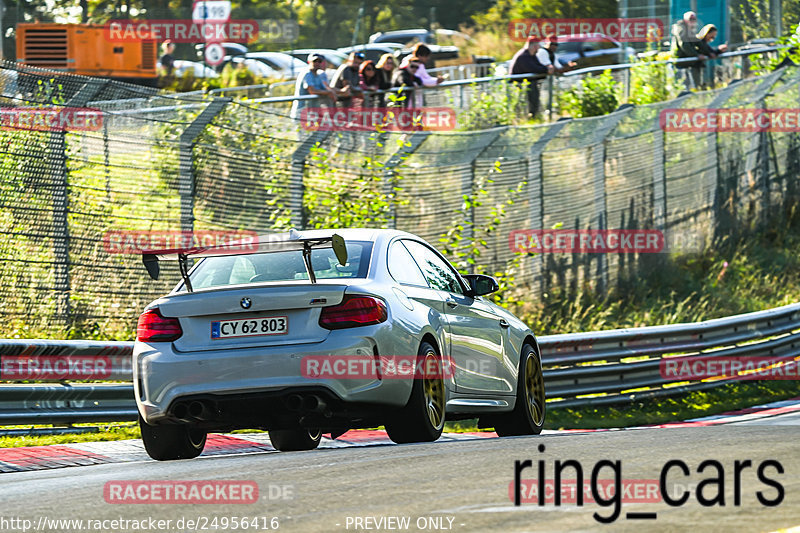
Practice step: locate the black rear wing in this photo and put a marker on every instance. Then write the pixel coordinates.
(276, 242)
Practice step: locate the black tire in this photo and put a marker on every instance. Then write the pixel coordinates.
(422, 419)
(528, 415)
(295, 440)
(170, 442)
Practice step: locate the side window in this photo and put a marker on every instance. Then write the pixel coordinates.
(607, 44)
(438, 273)
(402, 266)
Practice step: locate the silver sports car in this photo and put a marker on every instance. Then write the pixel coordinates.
(318, 332)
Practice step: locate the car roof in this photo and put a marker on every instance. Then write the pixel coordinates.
(584, 37)
(373, 46)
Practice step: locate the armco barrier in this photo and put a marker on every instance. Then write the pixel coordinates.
(581, 369)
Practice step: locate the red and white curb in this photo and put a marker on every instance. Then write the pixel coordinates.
(126, 451)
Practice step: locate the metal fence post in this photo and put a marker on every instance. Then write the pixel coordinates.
(186, 185)
(61, 235)
(397, 158)
(599, 165)
(536, 197)
(296, 186)
(468, 182)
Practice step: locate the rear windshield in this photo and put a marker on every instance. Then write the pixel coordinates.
(280, 266)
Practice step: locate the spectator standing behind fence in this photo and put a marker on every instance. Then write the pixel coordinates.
(525, 62)
(422, 54)
(167, 60)
(685, 44)
(704, 40)
(546, 55)
(346, 80)
(385, 73)
(406, 77)
(314, 81)
(369, 83)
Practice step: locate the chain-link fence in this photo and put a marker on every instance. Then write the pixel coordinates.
(173, 162)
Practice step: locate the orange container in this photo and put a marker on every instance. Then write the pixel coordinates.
(84, 49)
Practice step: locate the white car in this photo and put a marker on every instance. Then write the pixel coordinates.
(245, 339)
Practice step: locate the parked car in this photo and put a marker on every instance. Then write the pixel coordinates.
(334, 58)
(438, 53)
(404, 36)
(198, 70)
(286, 65)
(373, 51)
(586, 49)
(256, 67)
(231, 49)
(231, 346)
(592, 49)
(417, 34)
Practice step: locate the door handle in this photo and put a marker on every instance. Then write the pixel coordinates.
(451, 304)
(504, 324)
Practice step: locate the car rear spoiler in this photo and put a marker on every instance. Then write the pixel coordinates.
(276, 242)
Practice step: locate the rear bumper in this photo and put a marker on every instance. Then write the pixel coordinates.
(163, 376)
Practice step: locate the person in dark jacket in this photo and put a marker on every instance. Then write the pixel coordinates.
(385, 70)
(685, 44)
(407, 79)
(525, 62)
(369, 83)
(704, 40)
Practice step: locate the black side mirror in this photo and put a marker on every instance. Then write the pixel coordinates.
(480, 284)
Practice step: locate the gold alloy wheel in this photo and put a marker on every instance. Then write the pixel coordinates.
(534, 389)
(433, 388)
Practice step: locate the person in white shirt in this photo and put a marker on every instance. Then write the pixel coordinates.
(547, 57)
(423, 54)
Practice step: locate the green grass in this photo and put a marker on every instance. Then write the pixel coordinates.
(116, 431)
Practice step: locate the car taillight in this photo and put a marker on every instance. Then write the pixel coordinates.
(352, 312)
(154, 327)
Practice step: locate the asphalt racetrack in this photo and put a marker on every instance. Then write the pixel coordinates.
(461, 486)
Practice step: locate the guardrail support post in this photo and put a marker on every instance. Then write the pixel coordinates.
(186, 185)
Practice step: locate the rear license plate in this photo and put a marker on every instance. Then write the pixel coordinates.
(250, 327)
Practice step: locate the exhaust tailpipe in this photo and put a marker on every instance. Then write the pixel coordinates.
(313, 403)
(294, 402)
(180, 411)
(199, 410)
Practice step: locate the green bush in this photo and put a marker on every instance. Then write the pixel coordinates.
(651, 83)
(592, 97)
(500, 104)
